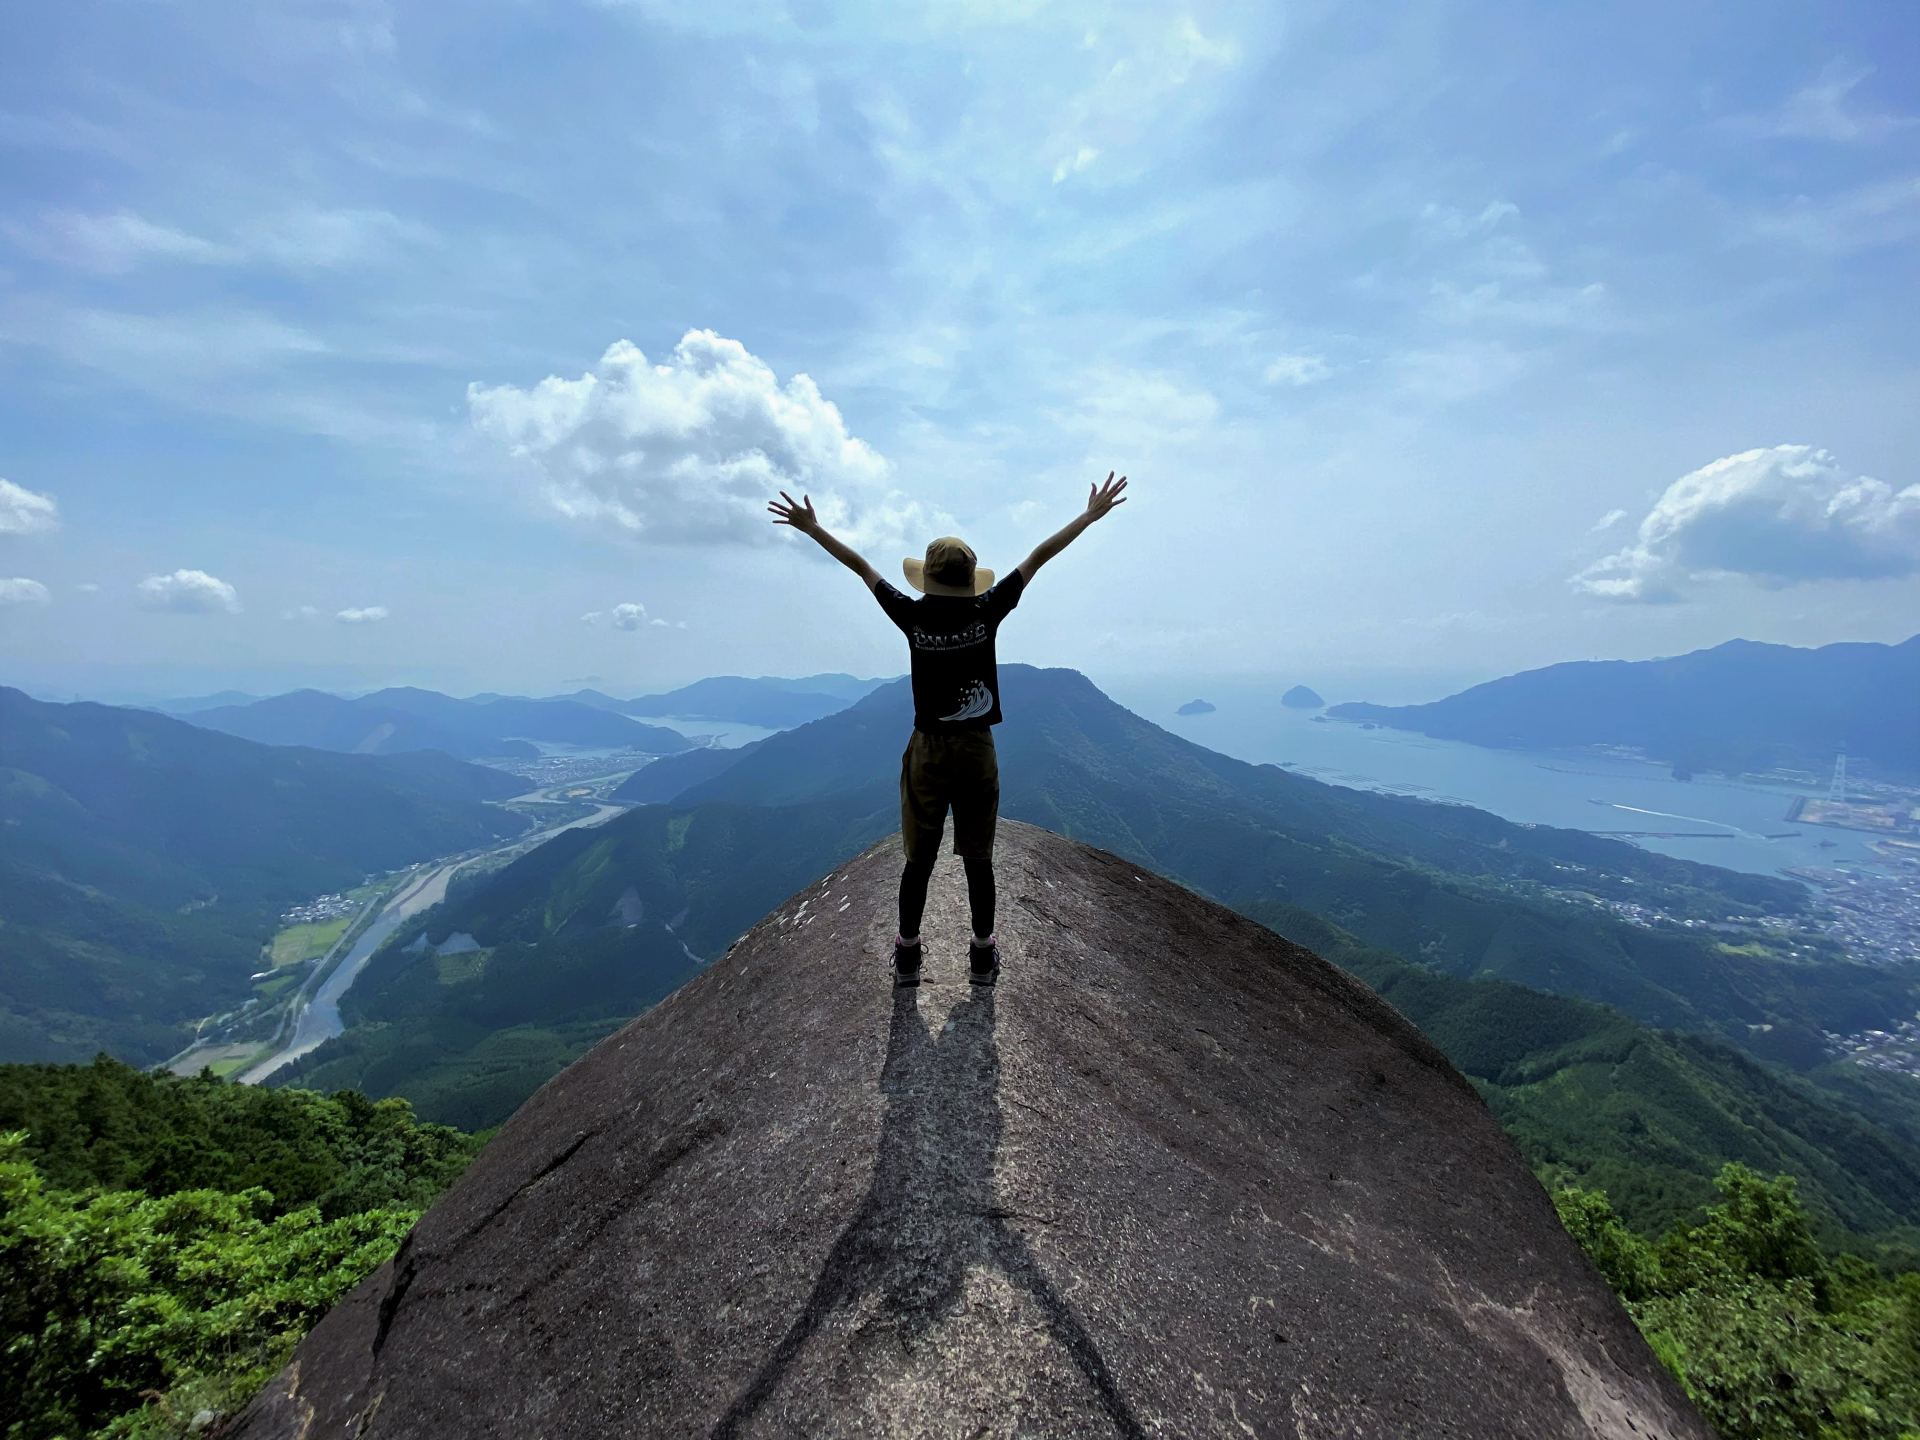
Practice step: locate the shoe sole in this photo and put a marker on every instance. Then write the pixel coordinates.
(904, 981)
(983, 977)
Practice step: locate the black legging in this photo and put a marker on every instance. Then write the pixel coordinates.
(913, 893)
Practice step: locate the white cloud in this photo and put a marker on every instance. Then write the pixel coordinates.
(631, 616)
(301, 612)
(1781, 516)
(115, 243)
(1297, 370)
(1825, 110)
(333, 239)
(305, 239)
(1608, 521)
(1456, 224)
(361, 614)
(88, 587)
(691, 449)
(1073, 164)
(21, 591)
(1886, 212)
(188, 592)
(24, 511)
(1125, 409)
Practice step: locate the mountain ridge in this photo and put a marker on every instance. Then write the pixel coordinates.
(402, 718)
(1741, 705)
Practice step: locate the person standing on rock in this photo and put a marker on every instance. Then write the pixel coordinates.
(949, 762)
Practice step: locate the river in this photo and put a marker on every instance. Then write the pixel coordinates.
(319, 1019)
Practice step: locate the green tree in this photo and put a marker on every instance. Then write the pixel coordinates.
(109, 1297)
(1771, 1338)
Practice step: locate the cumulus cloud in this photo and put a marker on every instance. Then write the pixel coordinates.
(691, 449)
(631, 616)
(361, 614)
(24, 511)
(21, 591)
(1608, 521)
(188, 592)
(1782, 516)
(301, 612)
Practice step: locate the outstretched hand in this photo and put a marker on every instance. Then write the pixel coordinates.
(799, 516)
(1103, 497)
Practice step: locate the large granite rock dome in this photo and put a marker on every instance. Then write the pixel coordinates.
(1175, 1176)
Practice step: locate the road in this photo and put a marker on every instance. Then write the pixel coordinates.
(318, 1020)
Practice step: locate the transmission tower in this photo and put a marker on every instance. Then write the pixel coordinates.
(1837, 792)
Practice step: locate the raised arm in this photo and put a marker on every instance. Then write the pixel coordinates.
(802, 518)
(1100, 499)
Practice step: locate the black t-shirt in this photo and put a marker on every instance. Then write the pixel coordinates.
(956, 683)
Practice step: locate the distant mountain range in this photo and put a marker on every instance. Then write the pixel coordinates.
(392, 721)
(489, 726)
(143, 860)
(1427, 901)
(191, 704)
(767, 700)
(1739, 707)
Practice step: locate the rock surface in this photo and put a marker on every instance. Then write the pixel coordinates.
(1174, 1176)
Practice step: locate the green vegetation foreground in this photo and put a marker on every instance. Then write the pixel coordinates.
(165, 1242)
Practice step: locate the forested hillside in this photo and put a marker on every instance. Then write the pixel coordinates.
(143, 860)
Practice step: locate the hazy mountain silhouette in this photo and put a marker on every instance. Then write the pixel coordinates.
(764, 700)
(1740, 706)
(401, 719)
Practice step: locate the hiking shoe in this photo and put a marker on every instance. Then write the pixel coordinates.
(906, 962)
(983, 963)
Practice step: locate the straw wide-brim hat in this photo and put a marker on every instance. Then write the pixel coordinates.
(950, 568)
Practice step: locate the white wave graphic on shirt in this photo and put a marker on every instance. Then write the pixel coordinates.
(976, 700)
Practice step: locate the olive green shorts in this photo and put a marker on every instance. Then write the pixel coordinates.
(955, 770)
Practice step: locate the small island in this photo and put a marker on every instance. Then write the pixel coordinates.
(1302, 698)
(1197, 707)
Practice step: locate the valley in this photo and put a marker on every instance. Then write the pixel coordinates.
(297, 1021)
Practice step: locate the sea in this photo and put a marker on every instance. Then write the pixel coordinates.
(726, 734)
(1738, 824)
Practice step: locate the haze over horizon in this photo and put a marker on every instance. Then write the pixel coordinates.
(348, 345)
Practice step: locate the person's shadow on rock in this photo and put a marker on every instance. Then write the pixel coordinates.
(930, 1214)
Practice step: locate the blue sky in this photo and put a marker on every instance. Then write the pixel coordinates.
(1438, 343)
